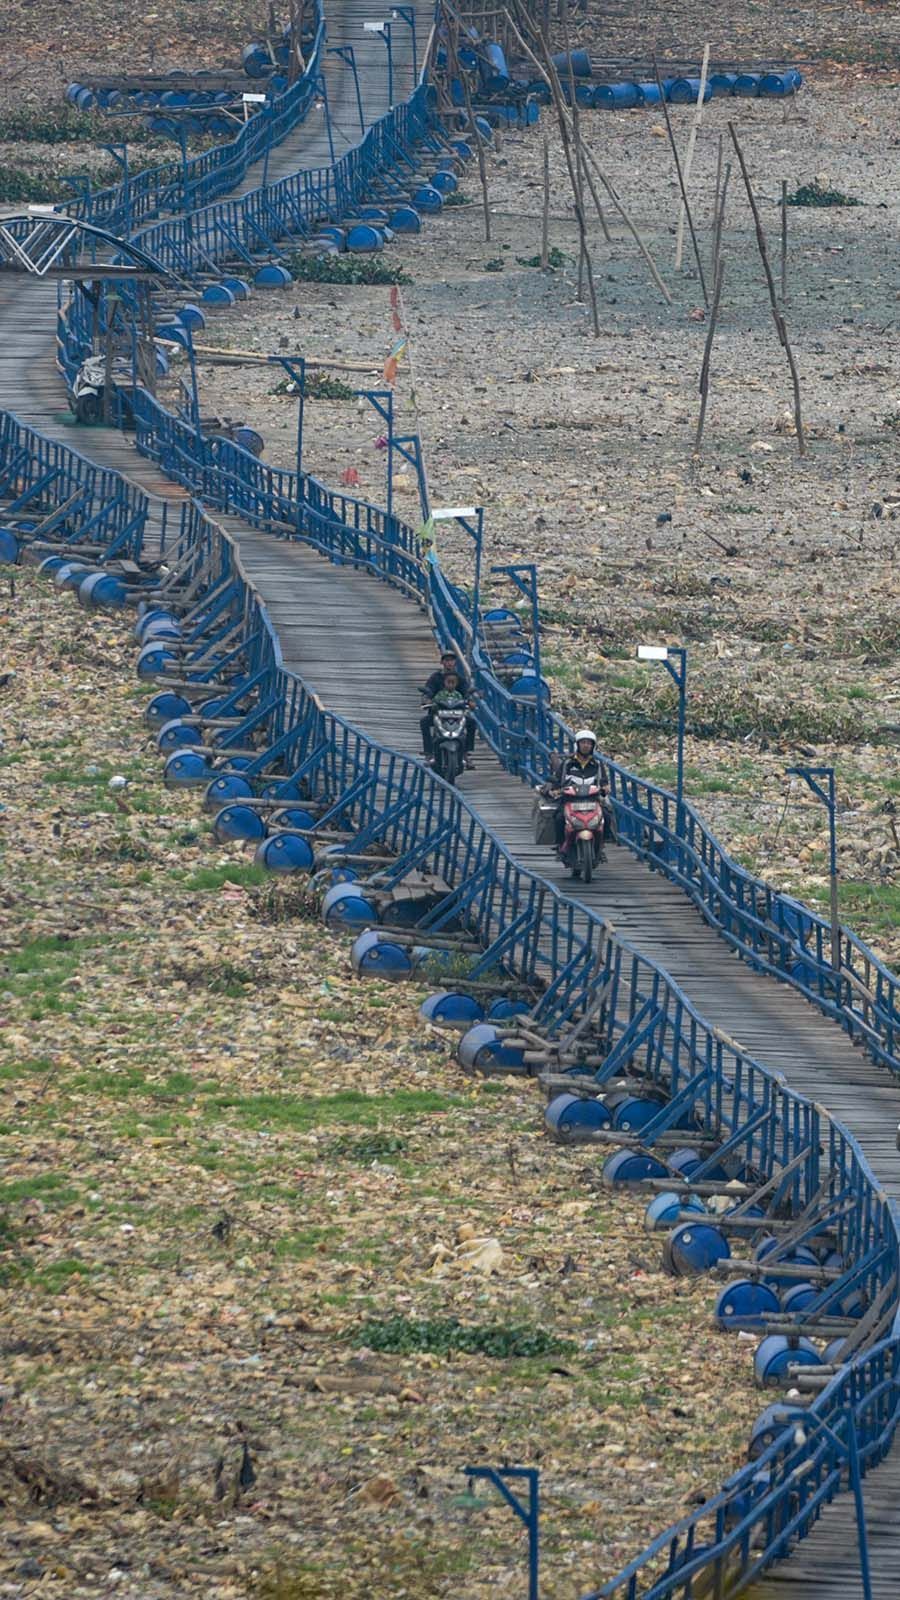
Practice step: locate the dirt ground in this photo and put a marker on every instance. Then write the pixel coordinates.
(779, 572)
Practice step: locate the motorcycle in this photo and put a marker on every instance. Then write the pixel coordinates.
(89, 387)
(448, 737)
(584, 825)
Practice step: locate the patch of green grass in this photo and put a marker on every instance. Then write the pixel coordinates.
(555, 259)
(348, 268)
(815, 194)
(244, 873)
(447, 1336)
(305, 1242)
(349, 1105)
(878, 903)
(58, 1274)
(363, 1149)
(52, 1188)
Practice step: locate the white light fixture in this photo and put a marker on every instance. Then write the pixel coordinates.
(373, 27)
(42, 211)
(653, 652)
(254, 99)
(450, 513)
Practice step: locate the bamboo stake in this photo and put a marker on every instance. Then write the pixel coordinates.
(720, 220)
(545, 217)
(715, 213)
(606, 182)
(689, 158)
(456, 66)
(684, 197)
(551, 77)
(783, 242)
(707, 351)
(770, 281)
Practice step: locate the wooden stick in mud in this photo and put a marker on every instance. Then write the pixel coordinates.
(677, 160)
(689, 158)
(783, 242)
(545, 215)
(770, 281)
(707, 352)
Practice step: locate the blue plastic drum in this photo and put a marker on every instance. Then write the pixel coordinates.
(617, 96)
(482, 1049)
(186, 769)
(165, 707)
(745, 1304)
(693, 1247)
(227, 786)
(375, 956)
(776, 1353)
(448, 1008)
(284, 852)
(631, 1166)
(634, 1113)
(238, 822)
(345, 905)
(664, 1210)
(569, 1118)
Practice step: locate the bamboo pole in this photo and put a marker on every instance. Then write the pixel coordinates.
(707, 351)
(689, 158)
(545, 215)
(684, 197)
(770, 282)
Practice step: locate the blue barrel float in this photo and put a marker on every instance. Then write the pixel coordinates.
(177, 735)
(686, 91)
(617, 96)
(501, 1009)
(799, 1297)
(770, 1424)
(225, 787)
(346, 905)
(775, 85)
(745, 1304)
(292, 816)
(405, 219)
(482, 1049)
(776, 1353)
(693, 1247)
(722, 83)
(10, 548)
(569, 1117)
(664, 1210)
(493, 68)
(576, 61)
(634, 1112)
(650, 95)
(155, 658)
(747, 84)
(631, 1166)
(375, 956)
(449, 1008)
(164, 707)
(238, 822)
(364, 239)
(284, 852)
(186, 769)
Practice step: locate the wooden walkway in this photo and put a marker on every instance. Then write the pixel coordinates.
(365, 649)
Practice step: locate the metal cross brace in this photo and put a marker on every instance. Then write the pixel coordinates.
(639, 1030)
(848, 1451)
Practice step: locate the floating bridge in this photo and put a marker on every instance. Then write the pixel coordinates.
(718, 995)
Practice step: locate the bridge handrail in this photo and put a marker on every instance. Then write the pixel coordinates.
(178, 186)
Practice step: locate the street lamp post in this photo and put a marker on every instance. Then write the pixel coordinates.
(524, 576)
(822, 783)
(347, 54)
(471, 520)
(407, 14)
(674, 659)
(384, 29)
(119, 153)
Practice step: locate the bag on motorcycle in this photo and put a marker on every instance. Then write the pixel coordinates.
(543, 818)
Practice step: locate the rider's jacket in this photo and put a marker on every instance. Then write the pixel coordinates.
(435, 683)
(575, 766)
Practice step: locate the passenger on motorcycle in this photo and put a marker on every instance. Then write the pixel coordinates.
(583, 763)
(437, 684)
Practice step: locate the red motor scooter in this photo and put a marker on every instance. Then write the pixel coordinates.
(584, 825)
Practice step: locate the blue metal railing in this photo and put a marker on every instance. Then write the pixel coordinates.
(178, 186)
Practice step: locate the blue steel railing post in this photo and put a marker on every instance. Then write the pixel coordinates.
(382, 400)
(295, 367)
(181, 133)
(407, 14)
(524, 576)
(192, 363)
(322, 89)
(827, 795)
(119, 153)
(529, 1514)
(81, 183)
(847, 1450)
(347, 54)
(675, 660)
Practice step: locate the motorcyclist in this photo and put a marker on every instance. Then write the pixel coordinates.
(583, 762)
(437, 684)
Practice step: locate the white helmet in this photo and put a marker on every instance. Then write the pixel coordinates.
(585, 733)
